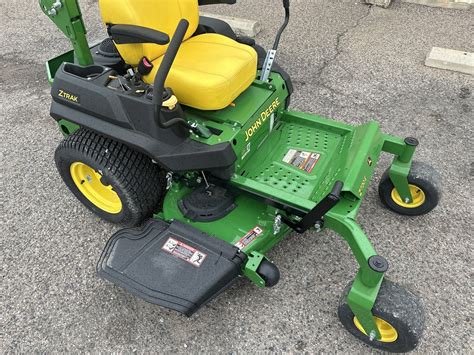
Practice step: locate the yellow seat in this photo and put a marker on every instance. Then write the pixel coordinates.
(210, 70)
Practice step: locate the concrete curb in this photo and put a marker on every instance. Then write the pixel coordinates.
(381, 3)
(451, 59)
(449, 4)
(241, 27)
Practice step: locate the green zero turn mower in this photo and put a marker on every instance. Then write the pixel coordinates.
(180, 130)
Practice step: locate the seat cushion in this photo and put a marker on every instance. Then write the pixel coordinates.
(210, 71)
(161, 15)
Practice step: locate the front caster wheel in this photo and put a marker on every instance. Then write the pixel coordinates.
(425, 188)
(269, 273)
(398, 315)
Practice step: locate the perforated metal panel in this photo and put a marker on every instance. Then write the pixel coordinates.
(274, 172)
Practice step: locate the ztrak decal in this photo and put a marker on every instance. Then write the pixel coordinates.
(184, 252)
(261, 120)
(68, 96)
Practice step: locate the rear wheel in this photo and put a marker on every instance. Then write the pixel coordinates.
(398, 314)
(115, 182)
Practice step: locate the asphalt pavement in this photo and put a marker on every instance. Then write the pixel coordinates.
(348, 61)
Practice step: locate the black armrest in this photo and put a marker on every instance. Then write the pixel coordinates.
(127, 34)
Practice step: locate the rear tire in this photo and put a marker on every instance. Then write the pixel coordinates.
(117, 183)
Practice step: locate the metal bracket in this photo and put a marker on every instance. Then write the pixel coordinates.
(267, 65)
(400, 169)
(66, 15)
(277, 224)
(366, 285)
(251, 266)
(361, 299)
(398, 175)
(56, 6)
(315, 216)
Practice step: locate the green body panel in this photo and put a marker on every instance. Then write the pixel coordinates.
(262, 132)
(241, 109)
(53, 64)
(246, 123)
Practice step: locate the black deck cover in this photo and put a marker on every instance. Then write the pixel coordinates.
(172, 265)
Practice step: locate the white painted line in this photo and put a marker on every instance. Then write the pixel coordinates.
(451, 59)
(242, 27)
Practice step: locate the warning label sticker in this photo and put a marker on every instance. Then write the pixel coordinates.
(301, 159)
(184, 252)
(249, 237)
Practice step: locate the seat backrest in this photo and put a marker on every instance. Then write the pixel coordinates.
(161, 15)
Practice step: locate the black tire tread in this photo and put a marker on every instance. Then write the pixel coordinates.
(398, 306)
(140, 180)
(424, 176)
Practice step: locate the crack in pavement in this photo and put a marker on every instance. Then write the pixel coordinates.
(327, 62)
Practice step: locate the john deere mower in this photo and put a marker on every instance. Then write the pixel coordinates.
(180, 131)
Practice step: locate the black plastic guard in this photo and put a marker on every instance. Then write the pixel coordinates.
(172, 265)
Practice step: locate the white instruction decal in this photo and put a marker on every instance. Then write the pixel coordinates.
(184, 252)
(301, 159)
(249, 237)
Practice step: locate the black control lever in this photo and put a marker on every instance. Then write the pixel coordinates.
(163, 70)
(318, 211)
(286, 5)
(159, 84)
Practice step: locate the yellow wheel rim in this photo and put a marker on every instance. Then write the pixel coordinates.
(387, 332)
(417, 194)
(88, 182)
